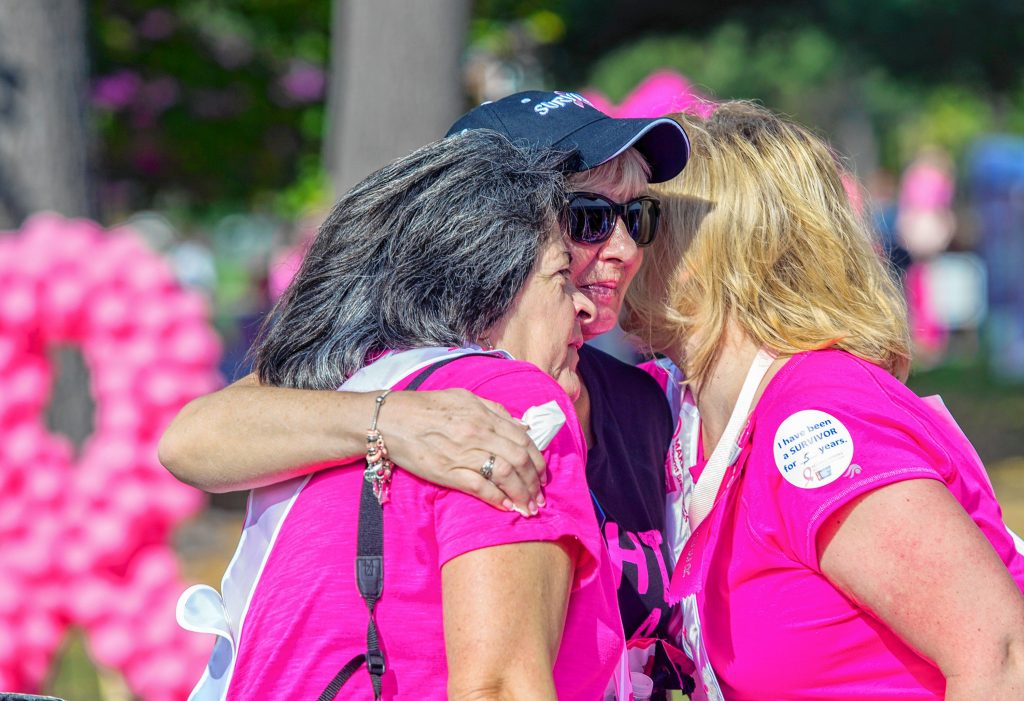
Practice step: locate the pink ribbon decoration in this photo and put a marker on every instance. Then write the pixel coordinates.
(85, 539)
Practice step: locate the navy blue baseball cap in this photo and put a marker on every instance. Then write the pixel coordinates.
(567, 120)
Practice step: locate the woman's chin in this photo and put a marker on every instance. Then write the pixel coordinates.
(569, 380)
(592, 331)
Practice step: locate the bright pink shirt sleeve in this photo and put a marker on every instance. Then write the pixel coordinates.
(838, 428)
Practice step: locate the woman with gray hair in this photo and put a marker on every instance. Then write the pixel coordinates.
(448, 251)
(249, 434)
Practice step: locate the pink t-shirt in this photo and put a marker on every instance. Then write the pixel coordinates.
(307, 619)
(828, 428)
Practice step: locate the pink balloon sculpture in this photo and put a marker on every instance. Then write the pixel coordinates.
(84, 541)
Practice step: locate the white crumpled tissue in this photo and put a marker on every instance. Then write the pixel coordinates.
(543, 423)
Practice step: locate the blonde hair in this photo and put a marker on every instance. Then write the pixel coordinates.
(621, 177)
(758, 229)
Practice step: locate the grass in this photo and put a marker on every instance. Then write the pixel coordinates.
(74, 676)
(990, 410)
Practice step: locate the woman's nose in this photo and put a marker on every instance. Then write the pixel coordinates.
(620, 245)
(586, 310)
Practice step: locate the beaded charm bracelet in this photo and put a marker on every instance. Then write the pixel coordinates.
(378, 465)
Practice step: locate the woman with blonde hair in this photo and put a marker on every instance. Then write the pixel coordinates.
(837, 535)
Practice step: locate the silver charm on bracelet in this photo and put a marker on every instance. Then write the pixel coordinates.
(378, 464)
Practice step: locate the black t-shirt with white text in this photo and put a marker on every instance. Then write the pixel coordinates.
(631, 426)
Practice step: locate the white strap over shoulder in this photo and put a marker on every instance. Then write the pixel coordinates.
(727, 451)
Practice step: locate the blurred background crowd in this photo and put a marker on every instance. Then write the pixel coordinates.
(206, 139)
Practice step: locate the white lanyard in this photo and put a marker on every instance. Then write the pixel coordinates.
(727, 450)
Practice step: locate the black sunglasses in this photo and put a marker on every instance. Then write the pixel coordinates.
(590, 218)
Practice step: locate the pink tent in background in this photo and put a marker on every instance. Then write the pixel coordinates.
(660, 93)
(665, 92)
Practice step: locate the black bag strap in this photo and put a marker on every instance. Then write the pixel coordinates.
(370, 569)
(370, 580)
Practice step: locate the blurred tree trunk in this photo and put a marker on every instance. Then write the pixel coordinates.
(395, 83)
(44, 151)
(44, 137)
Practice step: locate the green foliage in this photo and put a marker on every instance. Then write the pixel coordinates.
(951, 116)
(799, 71)
(311, 192)
(545, 26)
(213, 106)
(803, 71)
(969, 42)
(1014, 107)
(217, 102)
(780, 68)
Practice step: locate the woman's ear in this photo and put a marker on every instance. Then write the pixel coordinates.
(491, 337)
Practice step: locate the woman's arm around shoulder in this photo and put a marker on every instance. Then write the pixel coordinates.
(248, 435)
(911, 555)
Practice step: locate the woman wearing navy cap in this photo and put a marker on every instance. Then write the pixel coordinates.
(248, 435)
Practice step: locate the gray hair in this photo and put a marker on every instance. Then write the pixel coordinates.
(431, 250)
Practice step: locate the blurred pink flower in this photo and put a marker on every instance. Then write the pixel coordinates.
(160, 93)
(153, 99)
(117, 90)
(148, 159)
(304, 82)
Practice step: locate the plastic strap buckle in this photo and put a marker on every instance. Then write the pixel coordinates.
(375, 663)
(370, 575)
